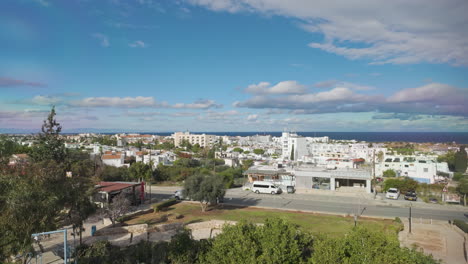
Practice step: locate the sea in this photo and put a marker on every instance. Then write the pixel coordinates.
(419, 137)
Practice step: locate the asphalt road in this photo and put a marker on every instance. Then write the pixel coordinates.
(365, 207)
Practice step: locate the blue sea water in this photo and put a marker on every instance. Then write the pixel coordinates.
(420, 137)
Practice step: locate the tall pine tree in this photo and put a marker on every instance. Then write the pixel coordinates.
(50, 145)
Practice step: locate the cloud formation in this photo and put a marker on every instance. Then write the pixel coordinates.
(138, 44)
(380, 31)
(10, 82)
(140, 102)
(104, 40)
(284, 87)
(431, 99)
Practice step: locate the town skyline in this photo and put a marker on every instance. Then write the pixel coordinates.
(204, 65)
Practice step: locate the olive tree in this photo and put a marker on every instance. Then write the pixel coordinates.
(207, 189)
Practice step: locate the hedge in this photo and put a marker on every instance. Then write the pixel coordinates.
(461, 224)
(161, 205)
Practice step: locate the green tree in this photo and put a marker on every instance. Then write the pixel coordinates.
(461, 160)
(27, 205)
(207, 189)
(277, 241)
(363, 245)
(140, 171)
(449, 157)
(462, 188)
(239, 150)
(50, 145)
(389, 173)
(259, 151)
(246, 164)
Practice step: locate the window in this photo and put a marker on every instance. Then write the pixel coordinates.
(426, 169)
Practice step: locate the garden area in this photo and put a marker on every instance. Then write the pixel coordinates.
(187, 212)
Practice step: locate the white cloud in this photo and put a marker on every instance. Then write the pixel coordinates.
(252, 117)
(130, 102)
(284, 87)
(104, 40)
(140, 102)
(138, 44)
(42, 2)
(45, 100)
(432, 99)
(436, 93)
(199, 104)
(397, 32)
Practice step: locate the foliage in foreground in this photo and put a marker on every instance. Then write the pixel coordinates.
(277, 241)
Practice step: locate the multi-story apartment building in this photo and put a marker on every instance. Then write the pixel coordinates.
(203, 140)
(420, 169)
(293, 145)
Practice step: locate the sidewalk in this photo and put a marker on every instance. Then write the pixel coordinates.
(438, 238)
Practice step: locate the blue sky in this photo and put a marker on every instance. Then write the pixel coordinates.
(235, 65)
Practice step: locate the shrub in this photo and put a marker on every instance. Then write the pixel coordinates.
(389, 173)
(164, 204)
(458, 176)
(461, 224)
(401, 227)
(123, 218)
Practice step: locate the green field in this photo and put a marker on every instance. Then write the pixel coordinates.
(315, 223)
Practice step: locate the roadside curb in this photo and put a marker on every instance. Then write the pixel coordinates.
(301, 211)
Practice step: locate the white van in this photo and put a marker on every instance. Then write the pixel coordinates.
(265, 187)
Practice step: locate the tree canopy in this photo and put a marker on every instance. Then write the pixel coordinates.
(207, 189)
(50, 145)
(461, 160)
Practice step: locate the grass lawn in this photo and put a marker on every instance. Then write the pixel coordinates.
(314, 223)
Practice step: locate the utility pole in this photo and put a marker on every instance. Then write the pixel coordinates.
(410, 218)
(373, 174)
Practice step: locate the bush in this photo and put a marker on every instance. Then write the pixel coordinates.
(401, 226)
(458, 176)
(404, 185)
(389, 173)
(461, 224)
(123, 218)
(164, 204)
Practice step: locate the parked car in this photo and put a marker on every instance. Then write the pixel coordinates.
(179, 195)
(411, 196)
(392, 193)
(265, 187)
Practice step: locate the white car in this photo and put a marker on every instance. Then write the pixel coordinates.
(392, 193)
(179, 195)
(265, 187)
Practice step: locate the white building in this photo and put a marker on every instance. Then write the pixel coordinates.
(309, 178)
(292, 144)
(203, 140)
(418, 168)
(116, 159)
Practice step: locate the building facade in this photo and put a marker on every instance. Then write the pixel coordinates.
(203, 140)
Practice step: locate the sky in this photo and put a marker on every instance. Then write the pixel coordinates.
(235, 65)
